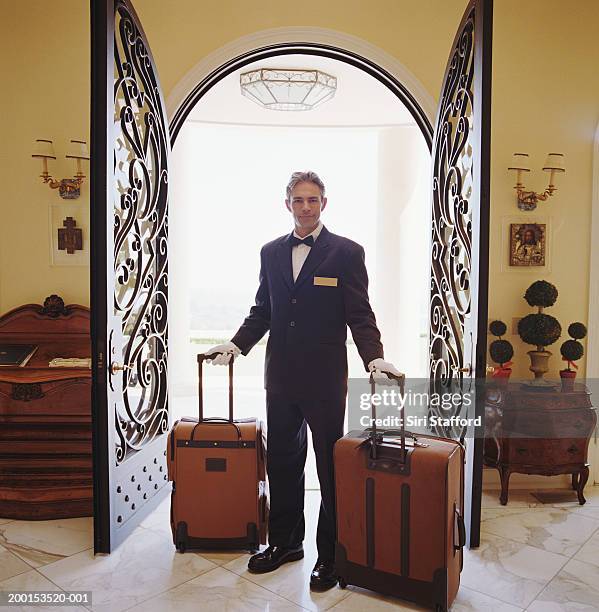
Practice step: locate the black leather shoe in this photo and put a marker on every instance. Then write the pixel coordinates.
(273, 557)
(323, 576)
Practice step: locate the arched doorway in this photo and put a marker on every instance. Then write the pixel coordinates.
(129, 178)
(281, 49)
(231, 156)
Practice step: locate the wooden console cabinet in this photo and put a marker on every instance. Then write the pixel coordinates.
(45, 415)
(538, 432)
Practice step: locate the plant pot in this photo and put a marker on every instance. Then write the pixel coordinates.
(567, 373)
(539, 363)
(502, 373)
(567, 377)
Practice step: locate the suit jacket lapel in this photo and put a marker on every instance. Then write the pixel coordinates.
(285, 262)
(315, 256)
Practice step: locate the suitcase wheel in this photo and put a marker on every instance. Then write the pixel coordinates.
(342, 583)
(181, 537)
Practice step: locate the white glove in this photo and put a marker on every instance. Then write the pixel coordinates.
(226, 350)
(378, 367)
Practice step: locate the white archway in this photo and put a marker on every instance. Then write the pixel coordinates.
(211, 69)
(334, 38)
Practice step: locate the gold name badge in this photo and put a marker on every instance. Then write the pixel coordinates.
(325, 281)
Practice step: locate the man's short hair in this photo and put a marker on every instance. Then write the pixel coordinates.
(304, 177)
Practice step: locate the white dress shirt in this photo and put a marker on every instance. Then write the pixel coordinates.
(300, 252)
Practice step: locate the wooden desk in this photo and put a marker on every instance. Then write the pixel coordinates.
(538, 432)
(45, 415)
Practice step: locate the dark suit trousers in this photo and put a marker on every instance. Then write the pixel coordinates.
(286, 457)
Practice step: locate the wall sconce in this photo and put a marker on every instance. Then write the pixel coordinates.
(69, 188)
(527, 200)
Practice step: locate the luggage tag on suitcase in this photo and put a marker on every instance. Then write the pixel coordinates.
(408, 442)
(394, 441)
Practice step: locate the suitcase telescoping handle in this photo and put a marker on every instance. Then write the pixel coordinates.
(201, 358)
(373, 434)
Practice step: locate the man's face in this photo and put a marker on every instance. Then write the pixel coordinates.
(305, 205)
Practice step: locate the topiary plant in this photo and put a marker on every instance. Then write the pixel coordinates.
(577, 330)
(541, 293)
(540, 329)
(501, 351)
(572, 350)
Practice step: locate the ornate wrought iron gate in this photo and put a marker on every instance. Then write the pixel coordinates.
(129, 201)
(460, 233)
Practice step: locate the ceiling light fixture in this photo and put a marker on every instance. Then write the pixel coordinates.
(288, 89)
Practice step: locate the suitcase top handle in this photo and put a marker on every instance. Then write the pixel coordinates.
(215, 420)
(201, 358)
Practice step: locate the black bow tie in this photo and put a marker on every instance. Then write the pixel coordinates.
(308, 241)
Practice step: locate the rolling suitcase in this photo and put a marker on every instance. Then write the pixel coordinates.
(217, 467)
(400, 527)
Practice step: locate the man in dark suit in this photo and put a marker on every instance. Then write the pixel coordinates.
(313, 284)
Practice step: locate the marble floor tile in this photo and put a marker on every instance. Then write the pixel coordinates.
(488, 514)
(361, 600)
(516, 565)
(42, 542)
(575, 588)
(217, 590)
(591, 494)
(292, 581)
(11, 565)
(468, 600)
(554, 529)
(160, 521)
(222, 557)
(32, 580)
(145, 565)
(585, 510)
(590, 550)
(517, 498)
(508, 570)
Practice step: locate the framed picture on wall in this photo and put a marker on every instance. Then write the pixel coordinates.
(528, 243)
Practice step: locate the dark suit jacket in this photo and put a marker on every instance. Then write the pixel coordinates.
(306, 354)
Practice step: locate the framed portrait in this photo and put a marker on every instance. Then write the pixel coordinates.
(528, 244)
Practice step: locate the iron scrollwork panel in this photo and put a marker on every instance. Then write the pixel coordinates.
(140, 239)
(452, 206)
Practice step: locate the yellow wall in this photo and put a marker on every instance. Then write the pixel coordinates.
(44, 65)
(545, 98)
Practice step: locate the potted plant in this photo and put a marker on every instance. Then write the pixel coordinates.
(501, 351)
(572, 350)
(540, 329)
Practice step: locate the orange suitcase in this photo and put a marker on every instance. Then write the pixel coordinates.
(400, 527)
(217, 467)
